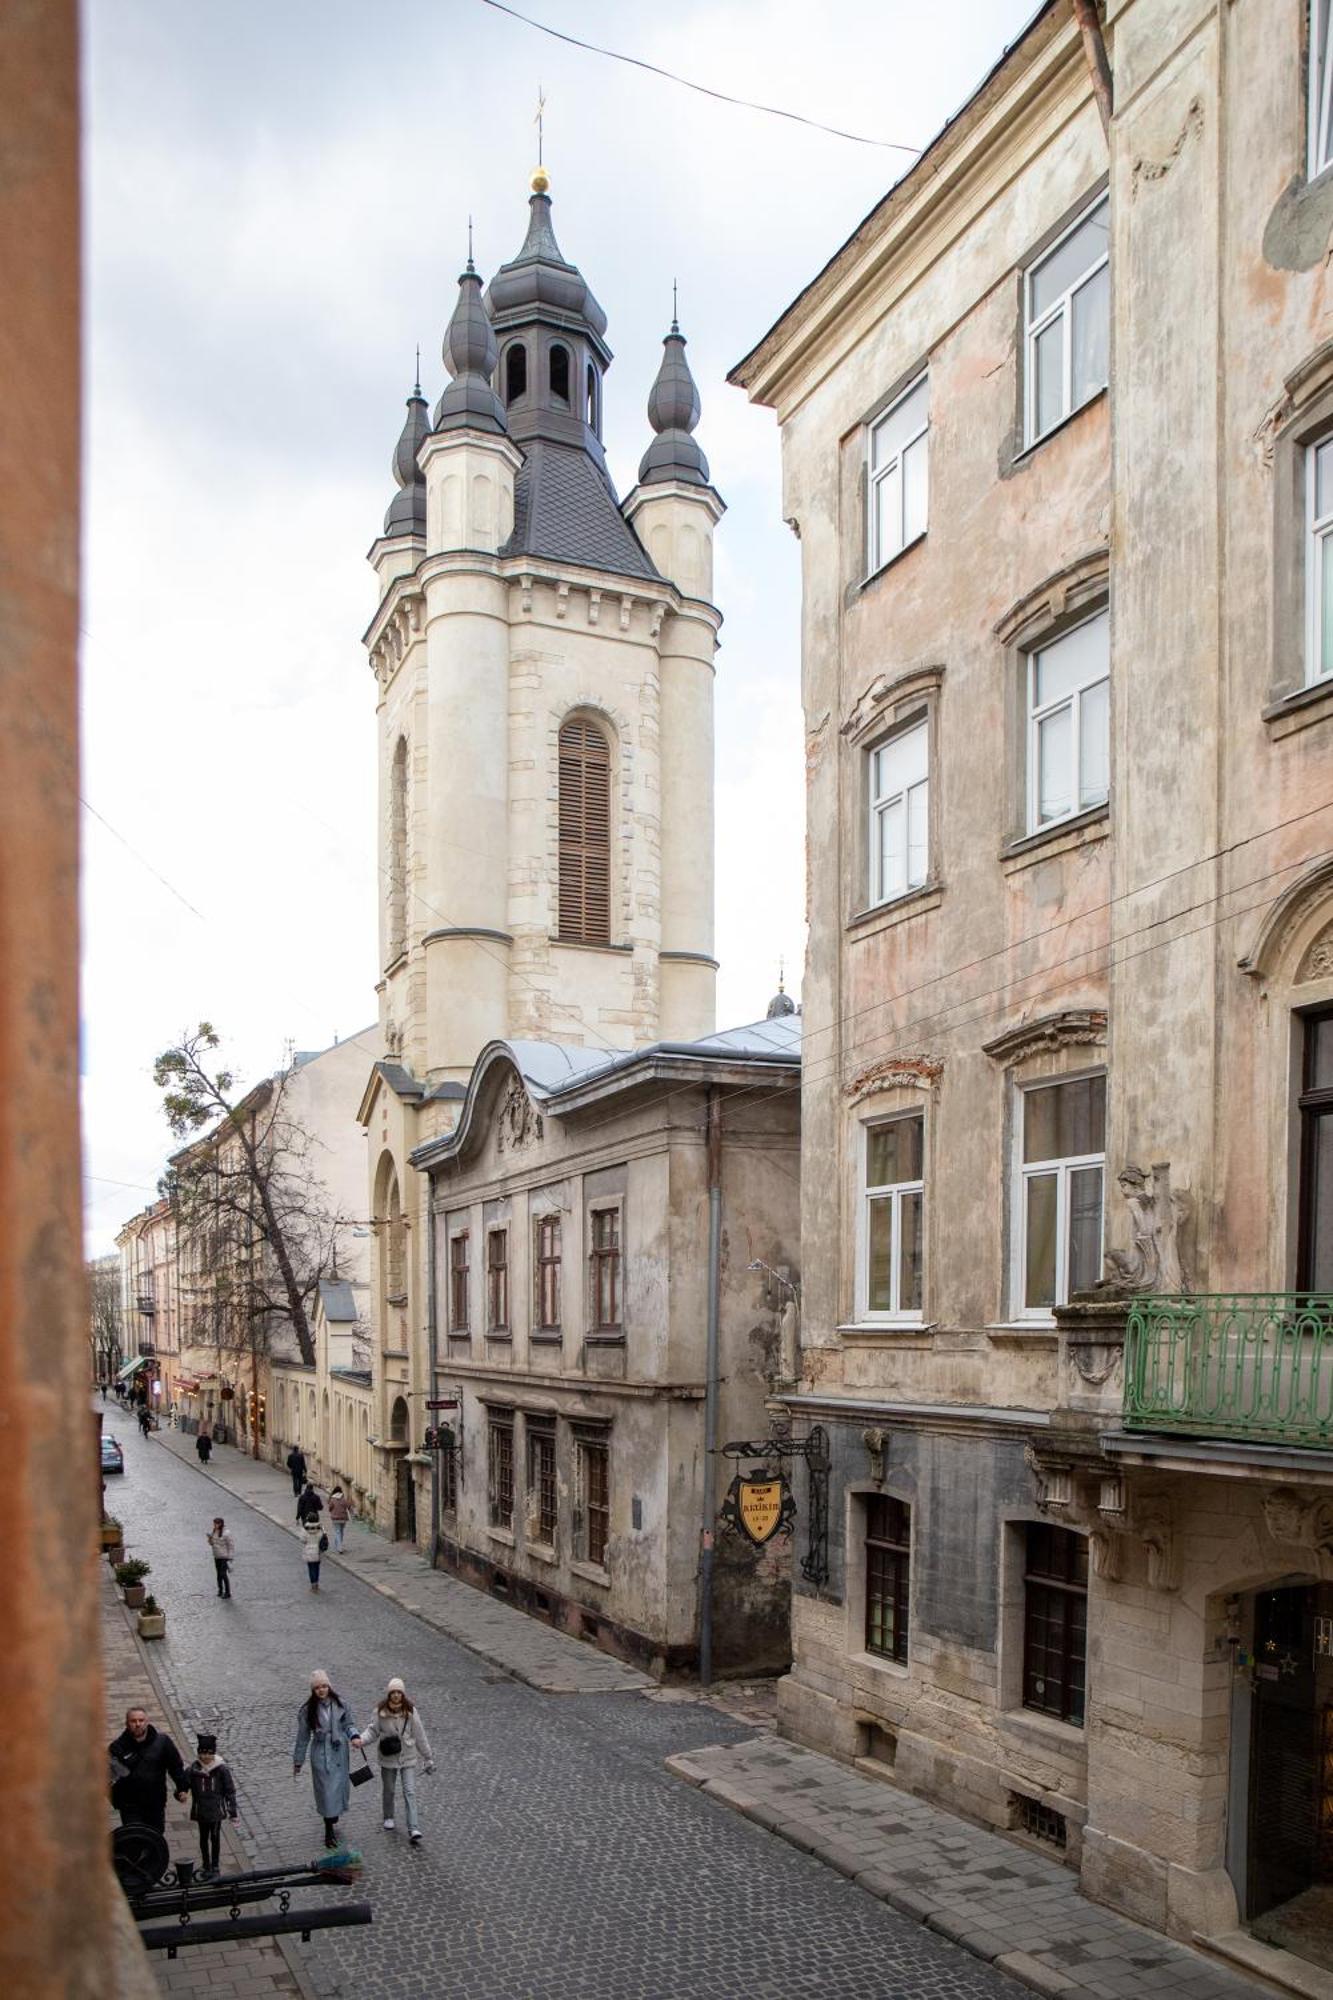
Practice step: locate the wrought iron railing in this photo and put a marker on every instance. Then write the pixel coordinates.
(1254, 1365)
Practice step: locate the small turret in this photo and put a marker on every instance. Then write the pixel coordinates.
(407, 511)
(469, 402)
(673, 412)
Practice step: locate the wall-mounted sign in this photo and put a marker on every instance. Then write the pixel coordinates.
(759, 1507)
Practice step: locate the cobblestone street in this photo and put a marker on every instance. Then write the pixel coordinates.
(560, 1857)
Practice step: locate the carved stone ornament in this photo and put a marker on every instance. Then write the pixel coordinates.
(393, 1039)
(876, 1444)
(518, 1122)
(1073, 1027)
(1318, 960)
(923, 1071)
(1154, 1525)
(1297, 1522)
(1158, 1214)
(1083, 1490)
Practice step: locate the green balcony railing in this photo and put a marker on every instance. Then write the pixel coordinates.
(1253, 1365)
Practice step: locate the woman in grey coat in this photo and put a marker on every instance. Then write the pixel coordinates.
(400, 1737)
(326, 1730)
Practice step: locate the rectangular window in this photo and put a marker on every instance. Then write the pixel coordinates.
(448, 1461)
(1069, 723)
(899, 474)
(1315, 1247)
(497, 1281)
(893, 1221)
(1319, 560)
(546, 1302)
(606, 1270)
(459, 1289)
(1055, 1622)
(888, 1576)
(1063, 1146)
(899, 813)
(1067, 317)
(594, 1470)
(1320, 87)
(542, 1506)
(500, 1468)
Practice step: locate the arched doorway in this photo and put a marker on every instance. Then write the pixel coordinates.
(404, 1492)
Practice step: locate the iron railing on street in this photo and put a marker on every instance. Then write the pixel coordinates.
(1252, 1365)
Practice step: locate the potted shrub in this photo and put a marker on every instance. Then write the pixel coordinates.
(130, 1576)
(152, 1620)
(113, 1536)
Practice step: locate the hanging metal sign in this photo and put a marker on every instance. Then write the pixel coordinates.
(759, 1507)
(761, 1504)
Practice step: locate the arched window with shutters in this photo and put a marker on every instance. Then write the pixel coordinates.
(585, 833)
(397, 939)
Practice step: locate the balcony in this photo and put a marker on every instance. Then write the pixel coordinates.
(146, 1303)
(1254, 1366)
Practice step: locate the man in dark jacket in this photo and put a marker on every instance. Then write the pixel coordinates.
(296, 1466)
(309, 1506)
(142, 1760)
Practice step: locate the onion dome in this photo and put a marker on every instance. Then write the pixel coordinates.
(673, 412)
(407, 510)
(782, 1003)
(469, 402)
(540, 280)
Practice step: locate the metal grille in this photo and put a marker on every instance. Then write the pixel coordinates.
(1232, 1364)
(1055, 1622)
(585, 833)
(500, 1468)
(541, 1481)
(888, 1576)
(595, 1485)
(606, 1269)
(1041, 1822)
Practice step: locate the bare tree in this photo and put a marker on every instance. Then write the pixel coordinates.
(104, 1317)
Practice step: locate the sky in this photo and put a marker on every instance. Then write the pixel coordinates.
(277, 199)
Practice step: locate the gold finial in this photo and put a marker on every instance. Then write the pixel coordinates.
(540, 180)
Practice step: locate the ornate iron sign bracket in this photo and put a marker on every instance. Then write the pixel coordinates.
(813, 1448)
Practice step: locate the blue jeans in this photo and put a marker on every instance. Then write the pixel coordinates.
(312, 1571)
(339, 1530)
(408, 1773)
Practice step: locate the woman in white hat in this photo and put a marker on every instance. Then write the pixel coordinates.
(401, 1744)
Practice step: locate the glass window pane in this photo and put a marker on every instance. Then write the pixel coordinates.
(902, 422)
(1318, 1276)
(1319, 1052)
(1069, 260)
(1040, 1191)
(1084, 1262)
(879, 1258)
(1090, 361)
(1048, 359)
(1325, 659)
(1073, 661)
(1323, 480)
(915, 479)
(892, 878)
(1055, 765)
(893, 1152)
(1094, 746)
(901, 761)
(1063, 1121)
(888, 515)
(909, 1252)
(918, 835)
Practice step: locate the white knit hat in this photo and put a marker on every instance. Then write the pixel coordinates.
(320, 1675)
(395, 1686)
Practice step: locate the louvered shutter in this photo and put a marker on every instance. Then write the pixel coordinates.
(585, 834)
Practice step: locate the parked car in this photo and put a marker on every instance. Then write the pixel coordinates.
(113, 1458)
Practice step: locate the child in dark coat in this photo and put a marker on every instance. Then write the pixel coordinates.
(213, 1797)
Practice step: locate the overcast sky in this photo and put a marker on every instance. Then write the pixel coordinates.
(277, 204)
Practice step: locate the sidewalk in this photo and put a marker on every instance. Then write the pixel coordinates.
(257, 1967)
(509, 1639)
(1023, 1913)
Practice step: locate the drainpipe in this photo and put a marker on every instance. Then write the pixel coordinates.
(714, 1151)
(1094, 48)
(432, 1359)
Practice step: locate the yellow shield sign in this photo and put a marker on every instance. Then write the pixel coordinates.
(759, 1508)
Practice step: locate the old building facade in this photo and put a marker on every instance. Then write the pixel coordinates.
(1053, 427)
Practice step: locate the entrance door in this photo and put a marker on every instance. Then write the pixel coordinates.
(1285, 1793)
(405, 1504)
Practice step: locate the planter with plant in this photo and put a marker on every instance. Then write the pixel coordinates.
(113, 1535)
(152, 1620)
(130, 1576)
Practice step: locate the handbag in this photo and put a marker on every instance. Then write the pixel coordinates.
(390, 1745)
(323, 1545)
(365, 1774)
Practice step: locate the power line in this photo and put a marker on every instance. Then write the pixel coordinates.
(142, 859)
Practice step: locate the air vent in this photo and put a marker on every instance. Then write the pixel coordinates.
(1039, 1822)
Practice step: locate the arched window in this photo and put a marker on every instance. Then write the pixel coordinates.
(397, 940)
(591, 411)
(516, 372)
(585, 833)
(391, 1230)
(560, 373)
(398, 1422)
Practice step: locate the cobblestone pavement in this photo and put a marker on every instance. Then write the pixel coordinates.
(1011, 1906)
(562, 1861)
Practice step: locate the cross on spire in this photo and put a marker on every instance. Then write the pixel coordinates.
(538, 122)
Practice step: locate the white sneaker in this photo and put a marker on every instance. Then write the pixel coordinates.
(388, 1826)
(415, 1836)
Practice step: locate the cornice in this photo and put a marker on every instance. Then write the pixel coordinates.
(889, 692)
(1072, 1027)
(1086, 577)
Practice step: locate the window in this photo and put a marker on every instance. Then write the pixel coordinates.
(547, 1288)
(397, 937)
(585, 834)
(560, 373)
(1055, 1622)
(497, 1281)
(448, 1464)
(888, 1565)
(899, 474)
(1319, 560)
(516, 372)
(893, 1218)
(1315, 1246)
(459, 1303)
(593, 1524)
(1063, 1148)
(500, 1468)
(591, 410)
(1320, 85)
(542, 1502)
(1067, 313)
(899, 813)
(606, 1270)
(1069, 731)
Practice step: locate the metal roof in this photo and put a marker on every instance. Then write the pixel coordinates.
(566, 510)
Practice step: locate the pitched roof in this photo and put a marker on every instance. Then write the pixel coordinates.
(566, 511)
(338, 1299)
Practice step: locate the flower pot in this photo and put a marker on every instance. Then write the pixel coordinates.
(112, 1535)
(152, 1624)
(135, 1594)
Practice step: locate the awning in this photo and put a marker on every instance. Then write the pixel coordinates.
(132, 1367)
(187, 1385)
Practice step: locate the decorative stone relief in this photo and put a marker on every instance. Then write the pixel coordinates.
(1156, 170)
(518, 1123)
(922, 1070)
(884, 692)
(876, 1445)
(1318, 960)
(1154, 1525)
(1085, 1490)
(1157, 1216)
(1072, 1027)
(1295, 1521)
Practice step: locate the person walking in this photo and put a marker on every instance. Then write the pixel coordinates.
(224, 1554)
(314, 1542)
(212, 1792)
(145, 1420)
(401, 1745)
(325, 1731)
(143, 1759)
(203, 1444)
(309, 1506)
(297, 1467)
(341, 1511)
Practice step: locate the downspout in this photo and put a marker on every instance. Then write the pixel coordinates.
(432, 1361)
(1099, 67)
(709, 1524)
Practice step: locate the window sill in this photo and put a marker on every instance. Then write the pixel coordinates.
(503, 1535)
(1079, 830)
(1300, 710)
(1021, 458)
(547, 1337)
(896, 1670)
(1043, 1729)
(1043, 1331)
(458, 1339)
(542, 1552)
(592, 1573)
(887, 1333)
(499, 1337)
(604, 1339)
(890, 562)
(883, 916)
(583, 944)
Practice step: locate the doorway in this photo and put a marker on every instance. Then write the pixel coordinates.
(404, 1502)
(1288, 1889)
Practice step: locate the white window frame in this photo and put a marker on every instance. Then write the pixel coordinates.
(1319, 117)
(876, 557)
(1317, 531)
(1062, 1168)
(879, 805)
(893, 1192)
(1074, 702)
(1034, 328)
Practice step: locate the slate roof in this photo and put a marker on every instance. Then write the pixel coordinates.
(565, 511)
(337, 1298)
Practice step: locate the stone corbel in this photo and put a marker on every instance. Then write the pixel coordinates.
(1088, 1494)
(655, 622)
(561, 599)
(594, 606)
(525, 595)
(626, 606)
(877, 1450)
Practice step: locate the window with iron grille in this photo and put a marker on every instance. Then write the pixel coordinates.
(459, 1288)
(888, 1575)
(500, 1467)
(546, 1243)
(542, 1500)
(606, 1270)
(585, 833)
(1039, 1822)
(1055, 1622)
(594, 1489)
(497, 1280)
